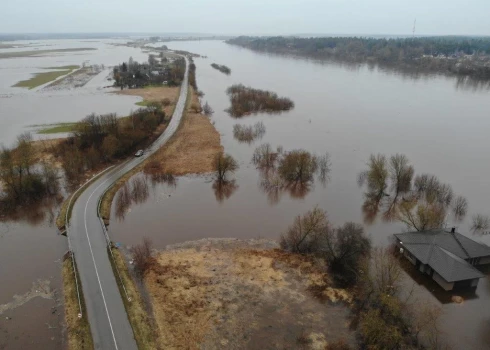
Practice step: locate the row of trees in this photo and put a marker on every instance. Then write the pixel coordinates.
(99, 139)
(441, 54)
(246, 100)
(222, 68)
(422, 202)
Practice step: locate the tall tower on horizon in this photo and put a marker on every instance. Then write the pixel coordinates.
(413, 30)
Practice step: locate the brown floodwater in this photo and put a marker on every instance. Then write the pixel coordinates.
(30, 247)
(350, 111)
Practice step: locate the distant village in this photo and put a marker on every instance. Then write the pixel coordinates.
(159, 70)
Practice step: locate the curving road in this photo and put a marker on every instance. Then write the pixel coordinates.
(105, 309)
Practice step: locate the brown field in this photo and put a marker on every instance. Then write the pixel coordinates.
(155, 94)
(231, 294)
(193, 147)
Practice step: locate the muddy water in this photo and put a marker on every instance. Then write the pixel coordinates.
(440, 123)
(31, 311)
(20, 107)
(30, 248)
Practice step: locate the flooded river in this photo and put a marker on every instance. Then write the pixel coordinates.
(440, 123)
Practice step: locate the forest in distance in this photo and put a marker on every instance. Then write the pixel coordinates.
(453, 55)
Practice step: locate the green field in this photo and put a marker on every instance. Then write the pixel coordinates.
(42, 78)
(55, 128)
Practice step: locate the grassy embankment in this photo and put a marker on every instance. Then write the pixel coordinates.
(55, 128)
(35, 53)
(154, 94)
(191, 150)
(42, 78)
(78, 329)
(143, 329)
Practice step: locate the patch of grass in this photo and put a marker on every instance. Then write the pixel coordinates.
(58, 128)
(78, 329)
(41, 52)
(64, 67)
(143, 329)
(42, 78)
(143, 103)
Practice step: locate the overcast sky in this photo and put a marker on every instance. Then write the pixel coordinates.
(267, 17)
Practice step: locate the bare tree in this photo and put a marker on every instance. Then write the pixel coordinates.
(304, 234)
(421, 216)
(298, 165)
(224, 164)
(264, 156)
(460, 208)
(376, 177)
(480, 223)
(142, 257)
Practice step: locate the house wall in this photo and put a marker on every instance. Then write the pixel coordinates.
(442, 282)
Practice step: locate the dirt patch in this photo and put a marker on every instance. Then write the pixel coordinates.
(232, 294)
(194, 145)
(156, 94)
(74, 80)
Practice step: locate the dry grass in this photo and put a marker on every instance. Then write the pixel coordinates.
(193, 147)
(138, 316)
(218, 297)
(191, 150)
(78, 329)
(155, 94)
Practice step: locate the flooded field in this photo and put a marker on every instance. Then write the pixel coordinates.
(439, 123)
(21, 107)
(31, 250)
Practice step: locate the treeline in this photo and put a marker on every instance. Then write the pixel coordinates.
(24, 179)
(246, 100)
(132, 74)
(192, 74)
(222, 68)
(99, 139)
(455, 55)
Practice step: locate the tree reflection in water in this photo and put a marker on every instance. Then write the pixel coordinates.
(135, 191)
(224, 189)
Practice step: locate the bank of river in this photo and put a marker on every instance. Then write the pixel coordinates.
(438, 122)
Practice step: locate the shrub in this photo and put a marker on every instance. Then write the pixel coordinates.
(298, 165)
(142, 257)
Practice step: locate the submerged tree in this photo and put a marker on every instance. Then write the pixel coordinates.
(376, 178)
(224, 164)
(298, 165)
(480, 223)
(421, 216)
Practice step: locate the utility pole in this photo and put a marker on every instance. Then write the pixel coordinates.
(413, 31)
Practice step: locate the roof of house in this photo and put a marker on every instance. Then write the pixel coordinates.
(445, 252)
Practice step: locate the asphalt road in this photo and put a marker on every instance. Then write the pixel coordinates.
(104, 306)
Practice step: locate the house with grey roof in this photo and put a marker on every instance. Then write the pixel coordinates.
(448, 257)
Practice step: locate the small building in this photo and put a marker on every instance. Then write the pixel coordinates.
(448, 257)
